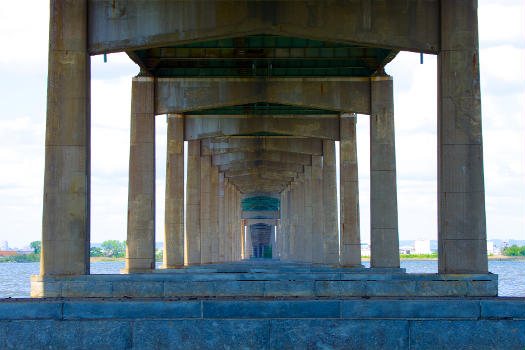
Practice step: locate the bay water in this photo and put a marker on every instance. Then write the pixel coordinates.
(14, 277)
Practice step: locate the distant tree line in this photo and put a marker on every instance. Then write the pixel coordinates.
(111, 248)
(514, 250)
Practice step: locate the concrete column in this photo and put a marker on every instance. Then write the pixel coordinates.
(65, 226)
(205, 209)
(461, 210)
(238, 224)
(293, 220)
(330, 234)
(273, 240)
(173, 256)
(317, 209)
(140, 245)
(284, 224)
(193, 203)
(214, 214)
(221, 219)
(249, 245)
(228, 220)
(299, 234)
(349, 193)
(307, 215)
(384, 236)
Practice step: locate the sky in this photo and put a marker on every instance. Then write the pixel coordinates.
(23, 81)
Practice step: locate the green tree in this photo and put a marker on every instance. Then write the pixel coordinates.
(114, 248)
(514, 250)
(158, 254)
(95, 251)
(36, 246)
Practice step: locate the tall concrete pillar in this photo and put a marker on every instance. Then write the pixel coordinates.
(284, 224)
(307, 214)
(330, 234)
(205, 209)
(299, 234)
(462, 233)
(349, 193)
(293, 220)
(214, 213)
(249, 244)
(238, 223)
(221, 218)
(140, 244)
(384, 235)
(173, 256)
(193, 203)
(228, 221)
(317, 209)
(65, 227)
(273, 240)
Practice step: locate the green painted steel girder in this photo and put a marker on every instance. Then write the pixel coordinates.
(263, 55)
(260, 203)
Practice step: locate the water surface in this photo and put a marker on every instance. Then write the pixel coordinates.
(14, 277)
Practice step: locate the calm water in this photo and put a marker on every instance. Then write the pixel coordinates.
(14, 278)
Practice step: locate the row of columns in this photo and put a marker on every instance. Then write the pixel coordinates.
(66, 207)
(210, 230)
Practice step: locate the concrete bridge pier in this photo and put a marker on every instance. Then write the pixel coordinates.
(140, 246)
(66, 207)
(173, 256)
(461, 189)
(330, 232)
(193, 204)
(384, 237)
(350, 244)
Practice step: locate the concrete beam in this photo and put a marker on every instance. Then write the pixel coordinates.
(261, 164)
(274, 173)
(179, 95)
(214, 146)
(322, 127)
(405, 24)
(273, 156)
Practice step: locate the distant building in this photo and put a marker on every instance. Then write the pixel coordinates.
(5, 253)
(490, 247)
(406, 249)
(365, 249)
(422, 247)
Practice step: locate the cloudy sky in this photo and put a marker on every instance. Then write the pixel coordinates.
(23, 74)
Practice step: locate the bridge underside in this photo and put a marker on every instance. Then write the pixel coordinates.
(257, 93)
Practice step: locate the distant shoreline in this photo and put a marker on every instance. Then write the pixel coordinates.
(491, 258)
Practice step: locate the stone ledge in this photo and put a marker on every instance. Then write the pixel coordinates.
(264, 285)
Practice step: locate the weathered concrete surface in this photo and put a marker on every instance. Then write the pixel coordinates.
(179, 95)
(330, 231)
(266, 279)
(193, 204)
(66, 221)
(140, 244)
(461, 208)
(351, 323)
(251, 144)
(205, 208)
(384, 236)
(206, 126)
(317, 209)
(405, 24)
(174, 217)
(350, 245)
(272, 156)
